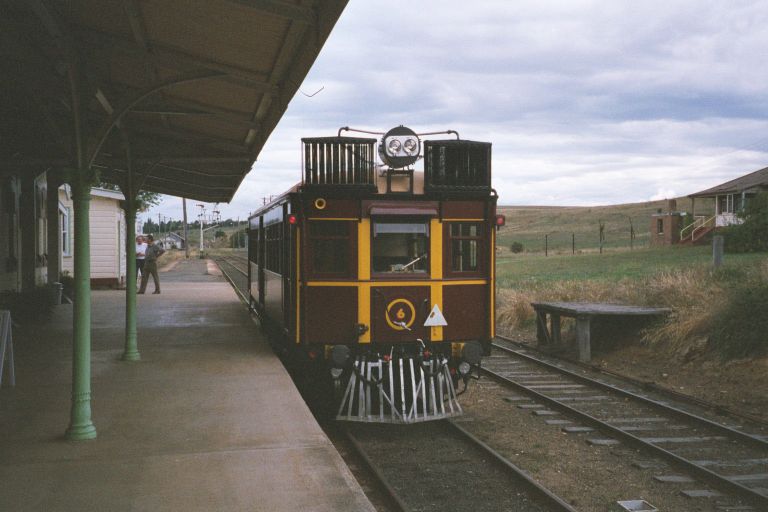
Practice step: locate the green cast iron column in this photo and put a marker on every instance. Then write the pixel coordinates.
(80, 426)
(131, 352)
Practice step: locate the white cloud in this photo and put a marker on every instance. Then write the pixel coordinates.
(663, 194)
(586, 102)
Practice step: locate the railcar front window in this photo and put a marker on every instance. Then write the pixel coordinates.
(330, 247)
(465, 246)
(400, 247)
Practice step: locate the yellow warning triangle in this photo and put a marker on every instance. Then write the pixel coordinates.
(435, 318)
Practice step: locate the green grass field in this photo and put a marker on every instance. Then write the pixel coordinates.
(525, 269)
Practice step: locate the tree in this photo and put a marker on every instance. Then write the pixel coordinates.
(752, 234)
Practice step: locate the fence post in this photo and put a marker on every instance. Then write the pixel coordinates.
(717, 251)
(546, 244)
(573, 243)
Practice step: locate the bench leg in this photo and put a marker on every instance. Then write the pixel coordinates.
(555, 328)
(541, 328)
(582, 337)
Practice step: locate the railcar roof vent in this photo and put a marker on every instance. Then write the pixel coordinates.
(339, 162)
(457, 166)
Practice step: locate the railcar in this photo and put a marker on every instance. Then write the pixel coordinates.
(379, 276)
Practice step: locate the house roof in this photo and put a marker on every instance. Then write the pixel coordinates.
(197, 86)
(754, 180)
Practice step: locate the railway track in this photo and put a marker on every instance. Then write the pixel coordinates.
(427, 466)
(235, 270)
(728, 459)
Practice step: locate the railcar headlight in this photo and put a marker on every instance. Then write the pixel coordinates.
(393, 147)
(464, 368)
(400, 147)
(336, 372)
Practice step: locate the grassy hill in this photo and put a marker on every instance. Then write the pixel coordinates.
(529, 224)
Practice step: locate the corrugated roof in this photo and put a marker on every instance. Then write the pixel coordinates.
(754, 180)
(212, 79)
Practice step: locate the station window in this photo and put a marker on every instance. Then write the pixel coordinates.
(330, 247)
(660, 226)
(465, 243)
(64, 227)
(401, 247)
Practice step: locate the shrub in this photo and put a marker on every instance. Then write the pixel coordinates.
(752, 234)
(516, 247)
(739, 328)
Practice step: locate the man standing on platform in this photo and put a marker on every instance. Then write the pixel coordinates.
(150, 264)
(141, 249)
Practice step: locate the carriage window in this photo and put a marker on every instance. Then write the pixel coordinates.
(272, 242)
(400, 247)
(465, 246)
(329, 241)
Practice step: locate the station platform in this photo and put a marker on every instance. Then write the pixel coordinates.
(207, 420)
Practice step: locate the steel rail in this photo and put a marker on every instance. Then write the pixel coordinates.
(226, 260)
(545, 494)
(240, 294)
(743, 436)
(718, 481)
(647, 385)
(546, 497)
(382, 480)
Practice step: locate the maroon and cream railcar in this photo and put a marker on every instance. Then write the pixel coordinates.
(382, 274)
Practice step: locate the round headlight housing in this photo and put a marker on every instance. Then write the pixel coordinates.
(399, 147)
(464, 368)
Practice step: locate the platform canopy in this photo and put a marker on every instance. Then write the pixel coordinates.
(196, 87)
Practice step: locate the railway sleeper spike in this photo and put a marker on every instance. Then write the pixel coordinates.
(399, 391)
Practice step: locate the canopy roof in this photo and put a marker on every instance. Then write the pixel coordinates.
(753, 181)
(194, 87)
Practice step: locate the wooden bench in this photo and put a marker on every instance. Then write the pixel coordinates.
(549, 332)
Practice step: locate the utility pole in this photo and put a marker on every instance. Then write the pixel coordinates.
(186, 232)
(201, 217)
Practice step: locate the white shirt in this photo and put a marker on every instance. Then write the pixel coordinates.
(140, 250)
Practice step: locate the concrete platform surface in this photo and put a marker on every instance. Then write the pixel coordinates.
(207, 420)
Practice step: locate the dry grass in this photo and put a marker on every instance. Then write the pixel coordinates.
(696, 295)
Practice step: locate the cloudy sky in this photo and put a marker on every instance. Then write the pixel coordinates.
(585, 102)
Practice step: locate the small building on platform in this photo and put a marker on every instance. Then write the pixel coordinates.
(171, 240)
(107, 227)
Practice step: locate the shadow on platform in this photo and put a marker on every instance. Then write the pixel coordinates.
(207, 420)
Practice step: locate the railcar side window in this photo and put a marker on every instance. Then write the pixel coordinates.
(272, 247)
(329, 242)
(466, 238)
(400, 247)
